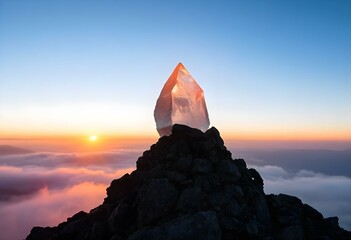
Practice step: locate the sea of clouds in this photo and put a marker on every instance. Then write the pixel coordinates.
(44, 188)
(320, 178)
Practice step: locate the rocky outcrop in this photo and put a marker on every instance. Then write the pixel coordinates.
(187, 186)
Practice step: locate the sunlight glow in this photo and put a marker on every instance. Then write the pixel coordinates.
(92, 138)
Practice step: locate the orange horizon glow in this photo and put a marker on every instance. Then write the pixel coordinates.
(104, 121)
(247, 132)
(230, 135)
(83, 144)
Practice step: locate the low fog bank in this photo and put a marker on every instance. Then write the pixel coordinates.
(44, 188)
(331, 195)
(47, 208)
(321, 178)
(330, 162)
(32, 184)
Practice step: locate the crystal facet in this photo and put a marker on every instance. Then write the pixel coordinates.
(181, 101)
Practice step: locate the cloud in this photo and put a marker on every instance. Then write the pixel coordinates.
(331, 195)
(8, 150)
(48, 208)
(45, 188)
(329, 162)
(32, 185)
(17, 183)
(114, 159)
(24, 175)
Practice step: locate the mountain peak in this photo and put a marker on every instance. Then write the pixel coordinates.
(187, 186)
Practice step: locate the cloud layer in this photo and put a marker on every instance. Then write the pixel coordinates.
(17, 183)
(48, 208)
(45, 188)
(33, 184)
(331, 195)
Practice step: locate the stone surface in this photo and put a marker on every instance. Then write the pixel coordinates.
(155, 200)
(181, 101)
(190, 200)
(187, 186)
(201, 225)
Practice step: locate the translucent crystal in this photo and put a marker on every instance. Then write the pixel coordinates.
(181, 101)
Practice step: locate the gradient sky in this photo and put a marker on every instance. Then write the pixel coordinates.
(269, 69)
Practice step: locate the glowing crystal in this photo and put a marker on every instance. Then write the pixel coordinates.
(181, 101)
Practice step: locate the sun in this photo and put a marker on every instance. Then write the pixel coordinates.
(93, 138)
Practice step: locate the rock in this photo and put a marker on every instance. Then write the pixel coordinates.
(227, 170)
(218, 199)
(175, 176)
(294, 232)
(262, 210)
(78, 216)
(183, 164)
(256, 177)
(215, 136)
(120, 218)
(311, 213)
(285, 199)
(232, 209)
(155, 200)
(190, 200)
(253, 229)
(232, 224)
(202, 166)
(99, 231)
(332, 222)
(198, 226)
(41, 233)
(101, 213)
(118, 189)
(209, 183)
(183, 131)
(188, 187)
(79, 229)
(235, 191)
(240, 163)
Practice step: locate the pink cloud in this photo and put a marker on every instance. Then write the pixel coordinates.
(16, 183)
(45, 188)
(48, 208)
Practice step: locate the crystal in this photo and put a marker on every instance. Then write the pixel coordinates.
(181, 101)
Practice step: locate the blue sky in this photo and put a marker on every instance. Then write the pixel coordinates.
(268, 68)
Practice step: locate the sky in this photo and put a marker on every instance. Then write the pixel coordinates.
(270, 70)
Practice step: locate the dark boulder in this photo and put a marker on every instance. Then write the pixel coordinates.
(201, 225)
(155, 201)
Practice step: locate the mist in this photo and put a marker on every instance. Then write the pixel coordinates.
(33, 183)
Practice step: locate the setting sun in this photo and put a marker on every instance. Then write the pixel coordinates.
(92, 138)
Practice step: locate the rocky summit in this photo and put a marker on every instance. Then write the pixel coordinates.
(187, 186)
